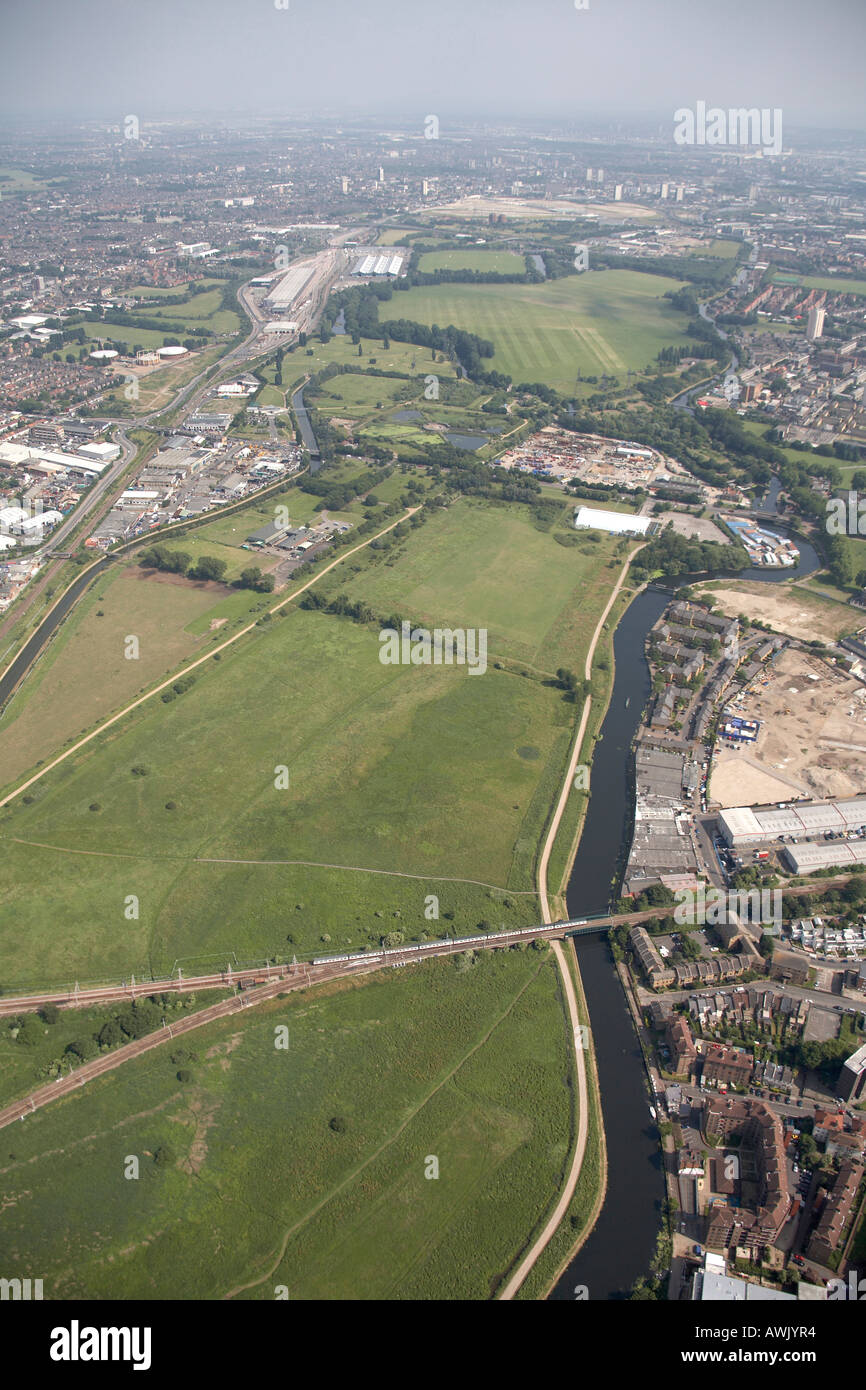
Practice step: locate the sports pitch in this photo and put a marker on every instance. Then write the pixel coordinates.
(599, 322)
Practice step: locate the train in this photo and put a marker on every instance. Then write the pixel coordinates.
(357, 957)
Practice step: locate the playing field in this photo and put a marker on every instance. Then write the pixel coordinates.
(599, 322)
(452, 1132)
(503, 262)
(402, 780)
(837, 283)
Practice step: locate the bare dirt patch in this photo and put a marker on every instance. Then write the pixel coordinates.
(812, 738)
(177, 580)
(786, 608)
(216, 622)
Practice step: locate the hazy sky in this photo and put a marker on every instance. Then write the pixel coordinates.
(449, 57)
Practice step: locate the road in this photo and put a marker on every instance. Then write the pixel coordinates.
(103, 490)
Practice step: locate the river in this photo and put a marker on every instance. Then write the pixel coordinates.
(621, 1245)
(46, 629)
(310, 442)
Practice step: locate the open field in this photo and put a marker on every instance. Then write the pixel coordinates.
(503, 262)
(170, 616)
(429, 772)
(812, 738)
(399, 357)
(839, 284)
(482, 565)
(61, 698)
(245, 1186)
(392, 237)
(726, 249)
(14, 180)
(599, 322)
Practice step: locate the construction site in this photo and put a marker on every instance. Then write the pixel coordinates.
(810, 739)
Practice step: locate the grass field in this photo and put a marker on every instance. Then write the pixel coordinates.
(726, 249)
(421, 771)
(839, 284)
(254, 1191)
(399, 357)
(61, 697)
(503, 262)
(172, 619)
(599, 322)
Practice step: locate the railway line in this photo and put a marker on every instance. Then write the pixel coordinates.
(79, 997)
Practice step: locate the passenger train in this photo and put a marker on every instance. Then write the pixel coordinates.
(358, 957)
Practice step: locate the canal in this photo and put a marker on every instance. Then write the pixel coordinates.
(620, 1246)
(45, 631)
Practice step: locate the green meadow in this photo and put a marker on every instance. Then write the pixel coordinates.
(403, 781)
(600, 322)
(502, 262)
(450, 1136)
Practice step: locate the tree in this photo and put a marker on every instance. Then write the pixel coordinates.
(110, 1034)
(84, 1048)
(209, 567)
(338, 1124)
(29, 1031)
(49, 1013)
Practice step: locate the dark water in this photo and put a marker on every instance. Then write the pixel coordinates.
(621, 1245)
(466, 441)
(45, 631)
(310, 442)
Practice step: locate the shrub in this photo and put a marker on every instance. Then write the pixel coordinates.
(338, 1124)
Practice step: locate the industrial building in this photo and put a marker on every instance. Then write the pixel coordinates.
(373, 264)
(742, 827)
(829, 854)
(615, 523)
(288, 288)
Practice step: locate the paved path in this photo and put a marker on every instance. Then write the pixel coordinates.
(567, 1193)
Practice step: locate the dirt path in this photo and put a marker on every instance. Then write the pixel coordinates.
(567, 1193)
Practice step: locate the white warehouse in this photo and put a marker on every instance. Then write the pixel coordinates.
(615, 523)
(741, 826)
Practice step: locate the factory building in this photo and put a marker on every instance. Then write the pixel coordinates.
(742, 827)
(830, 854)
(615, 523)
